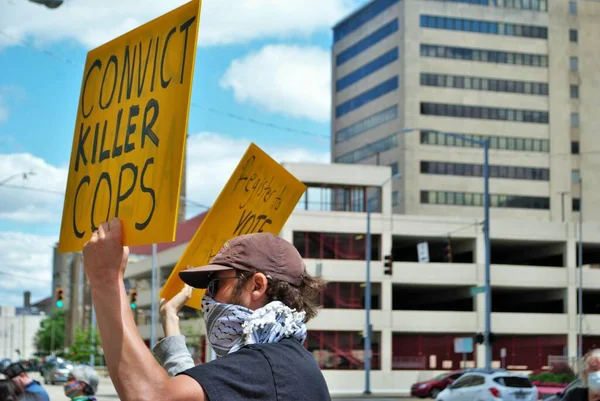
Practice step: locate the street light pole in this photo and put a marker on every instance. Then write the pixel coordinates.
(485, 144)
(368, 331)
(580, 284)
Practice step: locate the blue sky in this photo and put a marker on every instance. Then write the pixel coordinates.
(265, 60)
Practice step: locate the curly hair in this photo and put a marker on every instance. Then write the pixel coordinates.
(302, 298)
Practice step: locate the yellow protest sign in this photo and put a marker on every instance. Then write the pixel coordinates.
(259, 197)
(130, 132)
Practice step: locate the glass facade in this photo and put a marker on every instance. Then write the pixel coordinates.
(363, 44)
(375, 120)
(534, 5)
(496, 142)
(486, 56)
(363, 16)
(476, 170)
(480, 26)
(367, 69)
(484, 113)
(476, 199)
(484, 84)
(369, 150)
(367, 96)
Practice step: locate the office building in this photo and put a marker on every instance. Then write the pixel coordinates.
(520, 73)
(420, 308)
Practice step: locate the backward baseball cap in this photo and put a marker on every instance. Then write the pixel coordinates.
(260, 252)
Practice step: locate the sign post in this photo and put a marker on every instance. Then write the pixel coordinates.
(130, 132)
(259, 197)
(463, 346)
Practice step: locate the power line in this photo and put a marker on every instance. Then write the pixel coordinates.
(225, 113)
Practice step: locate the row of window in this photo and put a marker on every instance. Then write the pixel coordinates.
(476, 170)
(367, 69)
(375, 120)
(487, 56)
(485, 113)
(476, 199)
(484, 84)
(363, 16)
(489, 27)
(369, 150)
(535, 5)
(368, 41)
(496, 142)
(367, 96)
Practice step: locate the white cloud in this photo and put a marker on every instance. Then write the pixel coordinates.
(29, 206)
(212, 157)
(22, 258)
(292, 80)
(93, 22)
(8, 94)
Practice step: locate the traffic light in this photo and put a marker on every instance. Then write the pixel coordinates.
(448, 250)
(60, 297)
(133, 299)
(387, 265)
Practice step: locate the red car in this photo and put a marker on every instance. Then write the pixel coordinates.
(433, 387)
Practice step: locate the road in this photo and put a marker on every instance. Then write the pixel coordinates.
(106, 392)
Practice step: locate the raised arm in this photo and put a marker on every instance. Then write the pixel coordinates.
(137, 376)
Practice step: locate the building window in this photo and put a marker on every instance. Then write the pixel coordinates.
(369, 150)
(476, 170)
(367, 42)
(573, 35)
(574, 92)
(333, 198)
(479, 83)
(575, 120)
(534, 5)
(495, 142)
(343, 350)
(575, 147)
(360, 18)
(367, 69)
(576, 204)
(572, 7)
(575, 176)
(343, 295)
(487, 27)
(484, 113)
(394, 167)
(338, 246)
(375, 120)
(395, 198)
(367, 96)
(488, 56)
(476, 199)
(574, 64)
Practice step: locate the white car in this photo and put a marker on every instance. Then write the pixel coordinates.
(490, 385)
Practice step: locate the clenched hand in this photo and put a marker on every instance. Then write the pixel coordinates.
(104, 256)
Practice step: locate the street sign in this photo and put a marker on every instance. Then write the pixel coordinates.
(477, 290)
(463, 345)
(423, 252)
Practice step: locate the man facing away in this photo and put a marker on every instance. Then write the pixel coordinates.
(257, 300)
(32, 390)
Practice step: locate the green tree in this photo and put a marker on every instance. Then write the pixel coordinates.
(51, 334)
(81, 350)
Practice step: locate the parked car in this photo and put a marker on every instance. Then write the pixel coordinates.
(56, 371)
(490, 385)
(431, 388)
(559, 396)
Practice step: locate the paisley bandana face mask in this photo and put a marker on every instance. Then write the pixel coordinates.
(230, 327)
